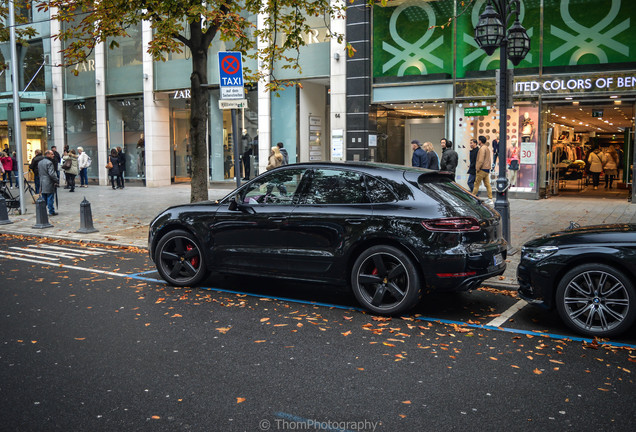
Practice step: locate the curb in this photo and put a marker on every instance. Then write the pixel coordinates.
(73, 238)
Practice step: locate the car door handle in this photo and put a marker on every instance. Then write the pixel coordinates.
(277, 219)
(354, 221)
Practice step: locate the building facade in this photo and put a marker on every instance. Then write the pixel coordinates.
(122, 98)
(427, 80)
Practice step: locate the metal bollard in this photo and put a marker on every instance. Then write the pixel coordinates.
(86, 218)
(4, 214)
(41, 216)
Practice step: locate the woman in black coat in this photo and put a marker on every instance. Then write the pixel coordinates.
(114, 171)
(121, 159)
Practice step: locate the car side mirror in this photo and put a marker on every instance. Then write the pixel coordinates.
(237, 205)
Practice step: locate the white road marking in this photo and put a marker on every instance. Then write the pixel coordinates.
(91, 270)
(85, 251)
(57, 254)
(508, 314)
(30, 256)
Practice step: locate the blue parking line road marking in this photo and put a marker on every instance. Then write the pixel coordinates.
(147, 272)
(528, 332)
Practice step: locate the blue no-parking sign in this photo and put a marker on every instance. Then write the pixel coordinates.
(231, 75)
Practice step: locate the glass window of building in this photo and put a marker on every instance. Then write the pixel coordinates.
(126, 131)
(124, 70)
(81, 130)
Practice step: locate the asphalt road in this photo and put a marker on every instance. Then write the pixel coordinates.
(91, 340)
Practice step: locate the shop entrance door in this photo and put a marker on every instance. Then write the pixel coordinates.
(181, 153)
(572, 130)
(426, 129)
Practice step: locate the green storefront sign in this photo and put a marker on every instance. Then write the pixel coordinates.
(420, 37)
(476, 111)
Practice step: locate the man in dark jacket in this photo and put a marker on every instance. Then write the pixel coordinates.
(33, 166)
(56, 160)
(420, 158)
(283, 151)
(474, 149)
(48, 180)
(449, 157)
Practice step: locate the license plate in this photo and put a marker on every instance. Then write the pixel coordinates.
(498, 259)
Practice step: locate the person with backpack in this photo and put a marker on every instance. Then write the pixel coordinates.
(71, 169)
(83, 161)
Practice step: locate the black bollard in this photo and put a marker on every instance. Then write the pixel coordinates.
(41, 216)
(86, 218)
(4, 213)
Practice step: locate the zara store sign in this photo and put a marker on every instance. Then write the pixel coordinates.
(551, 85)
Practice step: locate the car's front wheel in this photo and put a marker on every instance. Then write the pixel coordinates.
(179, 259)
(385, 280)
(596, 300)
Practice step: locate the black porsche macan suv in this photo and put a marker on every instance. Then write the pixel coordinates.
(390, 232)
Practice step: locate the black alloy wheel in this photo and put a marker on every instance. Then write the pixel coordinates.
(596, 300)
(179, 259)
(385, 280)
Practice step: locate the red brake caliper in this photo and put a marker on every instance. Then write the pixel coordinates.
(374, 272)
(194, 260)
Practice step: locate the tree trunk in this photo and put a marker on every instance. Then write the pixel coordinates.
(199, 116)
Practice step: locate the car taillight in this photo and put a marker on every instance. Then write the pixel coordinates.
(462, 224)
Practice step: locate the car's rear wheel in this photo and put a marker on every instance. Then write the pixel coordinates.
(384, 280)
(179, 259)
(596, 300)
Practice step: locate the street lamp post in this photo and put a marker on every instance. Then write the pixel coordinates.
(492, 32)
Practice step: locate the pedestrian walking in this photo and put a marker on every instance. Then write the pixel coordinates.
(83, 162)
(472, 162)
(113, 167)
(596, 165)
(7, 168)
(419, 158)
(433, 160)
(33, 166)
(450, 159)
(56, 161)
(121, 161)
(275, 158)
(16, 169)
(283, 151)
(482, 168)
(72, 169)
(48, 180)
(611, 166)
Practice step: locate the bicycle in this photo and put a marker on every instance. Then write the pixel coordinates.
(12, 202)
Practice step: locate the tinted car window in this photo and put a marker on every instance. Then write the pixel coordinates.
(277, 188)
(378, 192)
(448, 192)
(336, 187)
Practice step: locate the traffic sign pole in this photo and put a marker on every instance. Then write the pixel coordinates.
(235, 139)
(232, 88)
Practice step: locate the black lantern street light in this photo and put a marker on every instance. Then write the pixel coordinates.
(490, 34)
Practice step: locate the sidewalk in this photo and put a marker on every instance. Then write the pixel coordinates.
(122, 216)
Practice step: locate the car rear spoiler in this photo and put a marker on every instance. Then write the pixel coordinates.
(428, 176)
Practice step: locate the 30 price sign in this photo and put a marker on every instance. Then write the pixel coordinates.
(528, 153)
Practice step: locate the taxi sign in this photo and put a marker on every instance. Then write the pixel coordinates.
(231, 75)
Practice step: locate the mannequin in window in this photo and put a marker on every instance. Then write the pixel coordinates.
(512, 161)
(246, 148)
(527, 128)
